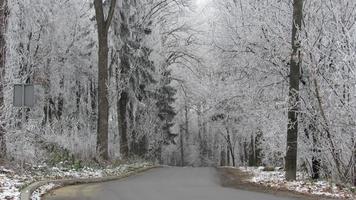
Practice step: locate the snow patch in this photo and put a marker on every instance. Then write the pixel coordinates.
(11, 183)
(36, 195)
(276, 179)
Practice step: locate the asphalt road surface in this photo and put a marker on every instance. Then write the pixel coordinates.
(161, 184)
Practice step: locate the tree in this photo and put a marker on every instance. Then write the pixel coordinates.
(122, 102)
(165, 100)
(103, 25)
(255, 156)
(294, 77)
(3, 15)
(141, 85)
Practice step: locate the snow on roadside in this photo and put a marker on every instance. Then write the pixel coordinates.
(11, 183)
(37, 194)
(276, 179)
(9, 187)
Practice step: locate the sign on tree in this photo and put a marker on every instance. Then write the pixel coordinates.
(24, 95)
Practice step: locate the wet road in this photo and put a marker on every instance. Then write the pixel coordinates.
(161, 184)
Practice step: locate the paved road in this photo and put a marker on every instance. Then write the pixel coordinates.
(161, 184)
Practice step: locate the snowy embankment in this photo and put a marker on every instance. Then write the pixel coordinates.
(12, 182)
(276, 179)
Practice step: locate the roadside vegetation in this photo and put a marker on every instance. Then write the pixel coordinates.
(272, 180)
(200, 83)
(13, 180)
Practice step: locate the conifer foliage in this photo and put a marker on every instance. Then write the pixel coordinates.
(165, 99)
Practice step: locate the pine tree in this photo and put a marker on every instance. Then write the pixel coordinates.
(164, 103)
(140, 83)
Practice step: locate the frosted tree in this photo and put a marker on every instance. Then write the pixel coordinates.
(329, 89)
(294, 77)
(165, 100)
(103, 25)
(55, 53)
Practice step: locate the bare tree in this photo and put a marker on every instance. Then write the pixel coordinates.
(295, 67)
(103, 104)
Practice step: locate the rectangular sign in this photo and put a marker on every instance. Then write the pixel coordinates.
(18, 95)
(24, 95)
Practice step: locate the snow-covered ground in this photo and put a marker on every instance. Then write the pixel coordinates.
(276, 179)
(12, 182)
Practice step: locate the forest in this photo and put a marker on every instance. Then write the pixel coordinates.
(199, 83)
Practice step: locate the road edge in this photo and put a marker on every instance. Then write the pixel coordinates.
(242, 183)
(27, 192)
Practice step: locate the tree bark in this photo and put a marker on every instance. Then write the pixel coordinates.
(354, 164)
(122, 117)
(202, 143)
(182, 147)
(125, 67)
(222, 158)
(310, 133)
(103, 53)
(316, 162)
(231, 149)
(252, 154)
(3, 16)
(295, 66)
(186, 116)
(227, 155)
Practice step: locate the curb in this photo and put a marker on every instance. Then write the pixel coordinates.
(26, 193)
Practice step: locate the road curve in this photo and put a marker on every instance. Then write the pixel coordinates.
(161, 184)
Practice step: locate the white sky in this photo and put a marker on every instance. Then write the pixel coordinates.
(201, 3)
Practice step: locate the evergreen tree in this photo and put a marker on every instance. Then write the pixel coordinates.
(165, 99)
(140, 84)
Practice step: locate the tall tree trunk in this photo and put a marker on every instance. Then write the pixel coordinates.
(354, 164)
(252, 154)
(316, 162)
(222, 157)
(122, 117)
(103, 104)
(245, 152)
(233, 157)
(295, 66)
(3, 16)
(103, 53)
(227, 156)
(231, 149)
(182, 146)
(310, 134)
(124, 67)
(202, 142)
(186, 116)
